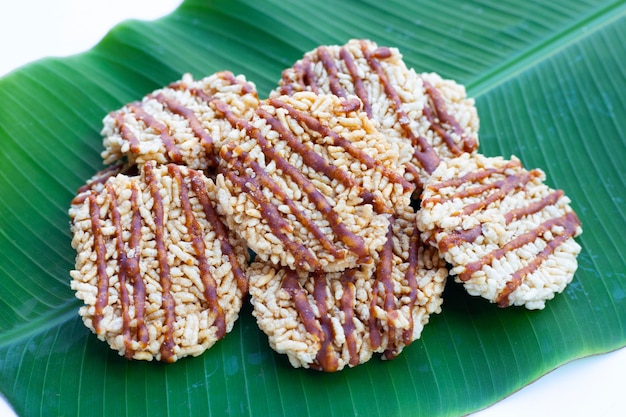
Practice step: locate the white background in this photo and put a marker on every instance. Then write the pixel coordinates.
(31, 29)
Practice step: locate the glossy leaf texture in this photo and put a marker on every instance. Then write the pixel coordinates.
(549, 81)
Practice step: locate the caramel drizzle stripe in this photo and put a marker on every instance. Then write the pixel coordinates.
(457, 237)
(125, 132)
(359, 87)
(424, 152)
(81, 196)
(535, 207)
(326, 357)
(246, 88)
(314, 124)
(199, 188)
(319, 164)
(350, 105)
(133, 271)
(348, 301)
(382, 52)
(168, 302)
(412, 169)
(481, 188)
(503, 188)
(569, 221)
(354, 242)
(129, 268)
(279, 227)
(304, 77)
(206, 141)
(570, 224)
(384, 270)
(308, 76)
(383, 277)
(469, 143)
(440, 131)
(102, 298)
(411, 277)
(197, 241)
(286, 86)
(168, 141)
(121, 262)
(266, 181)
(202, 95)
(331, 70)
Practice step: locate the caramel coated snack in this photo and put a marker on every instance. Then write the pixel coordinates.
(327, 321)
(508, 236)
(310, 182)
(160, 275)
(177, 123)
(431, 115)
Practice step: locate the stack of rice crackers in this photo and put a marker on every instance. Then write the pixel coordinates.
(338, 207)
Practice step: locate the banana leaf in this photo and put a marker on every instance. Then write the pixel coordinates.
(549, 81)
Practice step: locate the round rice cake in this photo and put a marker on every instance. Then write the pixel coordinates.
(310, 183)
(508, 236)
(327, 321)
(177, 123)
(160, 275)
(431, 115)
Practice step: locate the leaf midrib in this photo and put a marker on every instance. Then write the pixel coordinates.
(542, 51)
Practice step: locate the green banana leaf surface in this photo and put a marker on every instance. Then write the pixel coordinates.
(549, 79)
